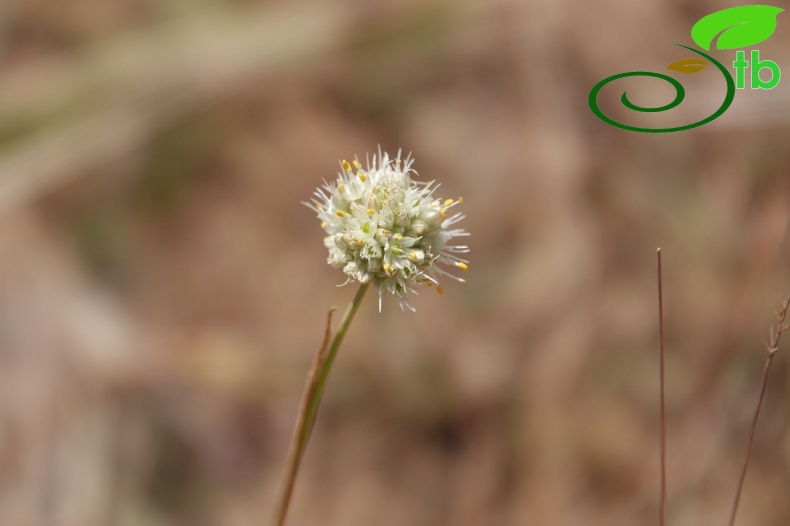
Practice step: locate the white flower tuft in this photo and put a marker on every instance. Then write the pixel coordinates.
(383, 227)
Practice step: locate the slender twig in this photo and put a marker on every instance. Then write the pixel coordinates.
(772, 346)
(308, 408)
(663, 501)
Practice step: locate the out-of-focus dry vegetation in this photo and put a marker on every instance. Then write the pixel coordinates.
(162, 289)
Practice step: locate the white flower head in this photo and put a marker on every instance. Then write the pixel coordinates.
(383, 227)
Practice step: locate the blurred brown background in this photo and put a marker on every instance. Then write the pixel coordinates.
(162, 289)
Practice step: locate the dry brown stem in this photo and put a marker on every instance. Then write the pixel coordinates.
(772, 345)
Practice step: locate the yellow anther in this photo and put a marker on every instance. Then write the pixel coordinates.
(340, 213)
(323, 224)
(448, 202)
(443, 211)
(362, 177)
(346, 166)
(371, 211)
(439, 290)
(413, 255)
(356, 164)
(460, 199)
(462, 266)
(386, 266)
(319, 207)
(399, 237)
(341, 187)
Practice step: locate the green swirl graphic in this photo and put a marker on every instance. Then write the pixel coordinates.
(680, 94)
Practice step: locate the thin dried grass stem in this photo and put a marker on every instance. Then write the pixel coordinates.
(663, 499)
(772, 346)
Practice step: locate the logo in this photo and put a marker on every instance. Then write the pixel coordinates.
(736, 27)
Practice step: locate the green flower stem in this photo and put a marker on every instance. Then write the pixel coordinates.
(311, 400)
(330, 358)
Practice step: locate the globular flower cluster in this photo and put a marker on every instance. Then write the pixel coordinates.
(384, 228)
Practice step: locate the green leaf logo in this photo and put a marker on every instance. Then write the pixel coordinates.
(740, 26)
(688, 65)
